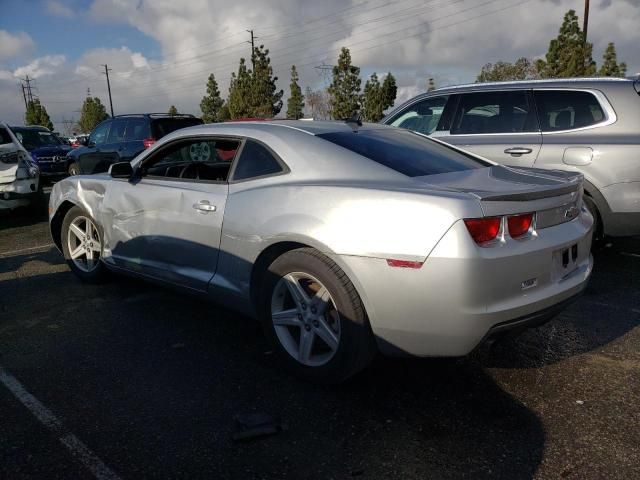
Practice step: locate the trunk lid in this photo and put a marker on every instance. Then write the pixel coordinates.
(503, 190)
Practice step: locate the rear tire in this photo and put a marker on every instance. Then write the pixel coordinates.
(324, 336)
(81, 239)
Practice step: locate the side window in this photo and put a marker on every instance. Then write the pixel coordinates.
(116, 132)
(99, 134)
(494, 112)
(560, 110)
(201, 159)
(423, 116)
(137, 129)
(4, 136)
(255, 161)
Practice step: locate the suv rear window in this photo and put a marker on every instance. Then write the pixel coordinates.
(164, 126)
(404, 151)
(565, 110)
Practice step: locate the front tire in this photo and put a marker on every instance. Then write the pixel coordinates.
(314, 318)
(74, 169)
(81, 239)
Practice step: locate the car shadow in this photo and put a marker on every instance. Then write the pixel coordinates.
(609, 308)
(154, 380)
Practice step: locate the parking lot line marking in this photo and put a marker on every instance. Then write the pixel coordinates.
(12, 253)
(75, 446)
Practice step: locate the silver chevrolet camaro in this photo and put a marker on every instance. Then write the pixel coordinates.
(343, 239)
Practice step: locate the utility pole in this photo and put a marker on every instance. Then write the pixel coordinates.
(106, 72)
(24, 95)
(253, 47)
(29, 93)
(585, 20)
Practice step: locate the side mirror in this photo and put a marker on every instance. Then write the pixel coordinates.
(83, 141)
(121, 170)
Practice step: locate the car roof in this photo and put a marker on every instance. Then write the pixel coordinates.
(595, 82)
(311, 127)
(37, 128)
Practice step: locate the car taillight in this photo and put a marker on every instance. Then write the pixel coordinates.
(147, 142)
(519, 225)
(483, 230)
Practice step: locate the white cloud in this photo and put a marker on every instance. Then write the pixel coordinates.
(13, 45)
(58, 9)
(41, 67)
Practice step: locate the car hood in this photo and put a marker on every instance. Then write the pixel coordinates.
(50, 151)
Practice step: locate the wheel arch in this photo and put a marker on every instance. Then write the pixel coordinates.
(55, 225)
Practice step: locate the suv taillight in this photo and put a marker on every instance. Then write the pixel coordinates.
(147, 142)
(483, 230)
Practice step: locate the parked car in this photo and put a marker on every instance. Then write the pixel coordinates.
(46, 149)
(19, 174)
(78, 140)
(121, 138)
(342, 239)
(591, 126)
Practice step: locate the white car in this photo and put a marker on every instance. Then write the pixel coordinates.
(19, 174)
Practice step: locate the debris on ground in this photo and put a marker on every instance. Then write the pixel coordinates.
(256, 424)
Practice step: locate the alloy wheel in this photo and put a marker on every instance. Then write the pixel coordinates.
(305, 319)
(84, 244)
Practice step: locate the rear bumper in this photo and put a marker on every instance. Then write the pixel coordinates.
(531, 320)
(463, 292)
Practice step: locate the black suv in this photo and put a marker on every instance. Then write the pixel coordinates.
(122, 137)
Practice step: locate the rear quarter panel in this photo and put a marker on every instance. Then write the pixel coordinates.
(338, 220)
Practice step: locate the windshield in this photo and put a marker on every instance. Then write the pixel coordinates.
(404, 151)
(32, 139)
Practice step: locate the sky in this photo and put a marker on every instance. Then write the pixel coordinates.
(161, 52)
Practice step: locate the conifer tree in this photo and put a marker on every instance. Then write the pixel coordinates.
(212, 102)
(345, 87)
(295, 103)
(568, 55)
(36, 114)
(91, 114)
(610, 66)
(173, 110)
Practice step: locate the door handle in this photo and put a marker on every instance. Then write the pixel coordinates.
(518, 150)
(204, 206)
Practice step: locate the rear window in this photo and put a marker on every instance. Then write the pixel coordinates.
(404, 151)
(164, 126)
(565, 110)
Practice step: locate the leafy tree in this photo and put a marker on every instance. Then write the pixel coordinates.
(568, 55)
(91, 114)
(318, 103)
(211, 103)
(610, 66)
(266, 99)
(431, 85)
(295, 103)
(37, 115)
(344, 90)
(173, 110)
(522, 69)
(239, 100)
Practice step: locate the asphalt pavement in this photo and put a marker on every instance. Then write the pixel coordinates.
(131, 380)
